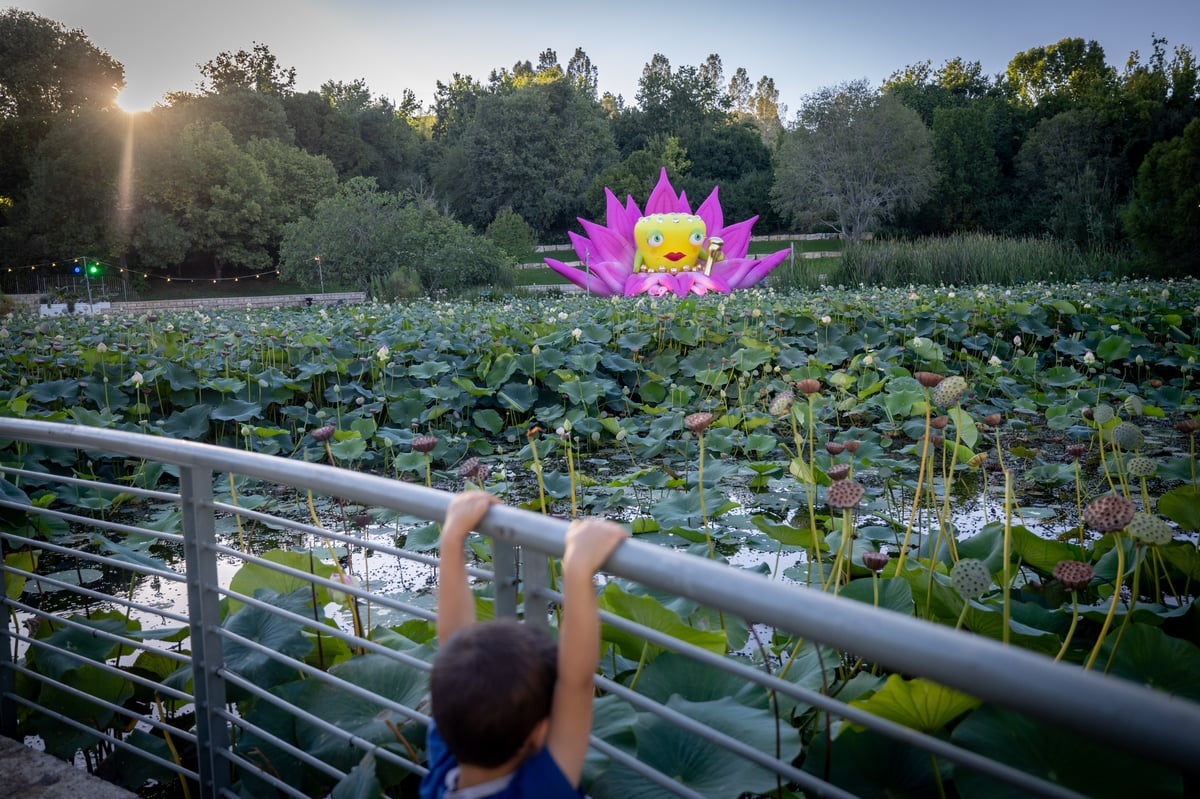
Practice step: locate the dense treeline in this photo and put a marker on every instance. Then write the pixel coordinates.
(245, 174)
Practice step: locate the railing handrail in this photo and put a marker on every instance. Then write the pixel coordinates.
(1127, 715)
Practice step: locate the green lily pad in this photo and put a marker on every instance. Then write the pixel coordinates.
(703, 766)
(651, 613)
(1064, 758)
(918, 704)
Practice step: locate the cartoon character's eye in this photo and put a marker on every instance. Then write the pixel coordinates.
(654, 239)
(697, 237)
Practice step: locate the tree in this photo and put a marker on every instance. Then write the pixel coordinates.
(256, 70)
(454, 106)
(1070, 179)
(46, 71)
(968, 167)
(853, 161)
(363, 234)
(636, 174)
(1066, 72)
(512, 233)
(582, 74)
(765, 103)
(1163, 218)
(739, 91)
(71, 197)
(536, 149)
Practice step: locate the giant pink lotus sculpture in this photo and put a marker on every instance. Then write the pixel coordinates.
(668, 249)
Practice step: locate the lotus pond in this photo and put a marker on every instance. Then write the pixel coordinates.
(1016, 462)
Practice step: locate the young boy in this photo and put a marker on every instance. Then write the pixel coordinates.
(511, 715)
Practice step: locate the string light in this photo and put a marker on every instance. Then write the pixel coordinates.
(104, 265)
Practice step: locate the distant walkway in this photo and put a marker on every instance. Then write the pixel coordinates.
(33, 303)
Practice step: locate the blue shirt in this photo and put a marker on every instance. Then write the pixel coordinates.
(538, 777)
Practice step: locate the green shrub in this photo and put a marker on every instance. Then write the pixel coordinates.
(401, 284)
(512, 234)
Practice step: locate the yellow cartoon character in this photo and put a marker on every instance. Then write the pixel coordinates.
(669, 243)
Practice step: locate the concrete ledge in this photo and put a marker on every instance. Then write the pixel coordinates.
(31, 774)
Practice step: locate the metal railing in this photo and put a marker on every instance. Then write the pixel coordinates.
(191, 724)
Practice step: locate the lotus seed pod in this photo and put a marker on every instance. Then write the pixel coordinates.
(993, 419)
(1128, 436)
(852, 446)
(468, 468)
(1151, 529)
(928, 379)
(939, 422)
(1187, 426)
(424, 443)
(323, 434)
(950, 391)
(875, 561)
(1073, 574)
(1133, 405)
(1141, 467)
(835, 447)
(977, 460)
(782, 403)
(809, 386)
(970, 578)
(698, 422)
(1109, 513)
(1102, 414)
(838, 471)
(1075, 451)
(844, 494)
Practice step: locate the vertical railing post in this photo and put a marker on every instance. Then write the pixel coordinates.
(535, 573)
(8, 708)
(204, 615)
(504, 570)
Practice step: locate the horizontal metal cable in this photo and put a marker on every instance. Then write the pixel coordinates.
(148, 493)
(91, 557)
(104, 703)
(836, 707)
(116, 671)
(304, 527)
(300, 713)
(688, 724)
(1128, 715)
(294, 751)
(638, 767)
(333, 632)
(93, 521)
(118, 742)
(327, 678)
(258, 771)
(99, 596)
(332, 585)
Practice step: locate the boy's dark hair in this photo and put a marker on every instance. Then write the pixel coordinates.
(491, 685)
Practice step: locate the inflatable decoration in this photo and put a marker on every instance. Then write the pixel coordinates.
(668, 249)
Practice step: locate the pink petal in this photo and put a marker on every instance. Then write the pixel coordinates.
(736, 237)
(606, 244)
(600, 279)
(663, 199)
(618, 217)
(710, 212)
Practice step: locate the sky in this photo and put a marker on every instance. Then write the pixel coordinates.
(397, 44)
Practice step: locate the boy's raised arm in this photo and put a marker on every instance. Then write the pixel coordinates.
(456, 603)
(589, 543)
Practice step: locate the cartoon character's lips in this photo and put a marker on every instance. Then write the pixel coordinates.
(673, 256)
